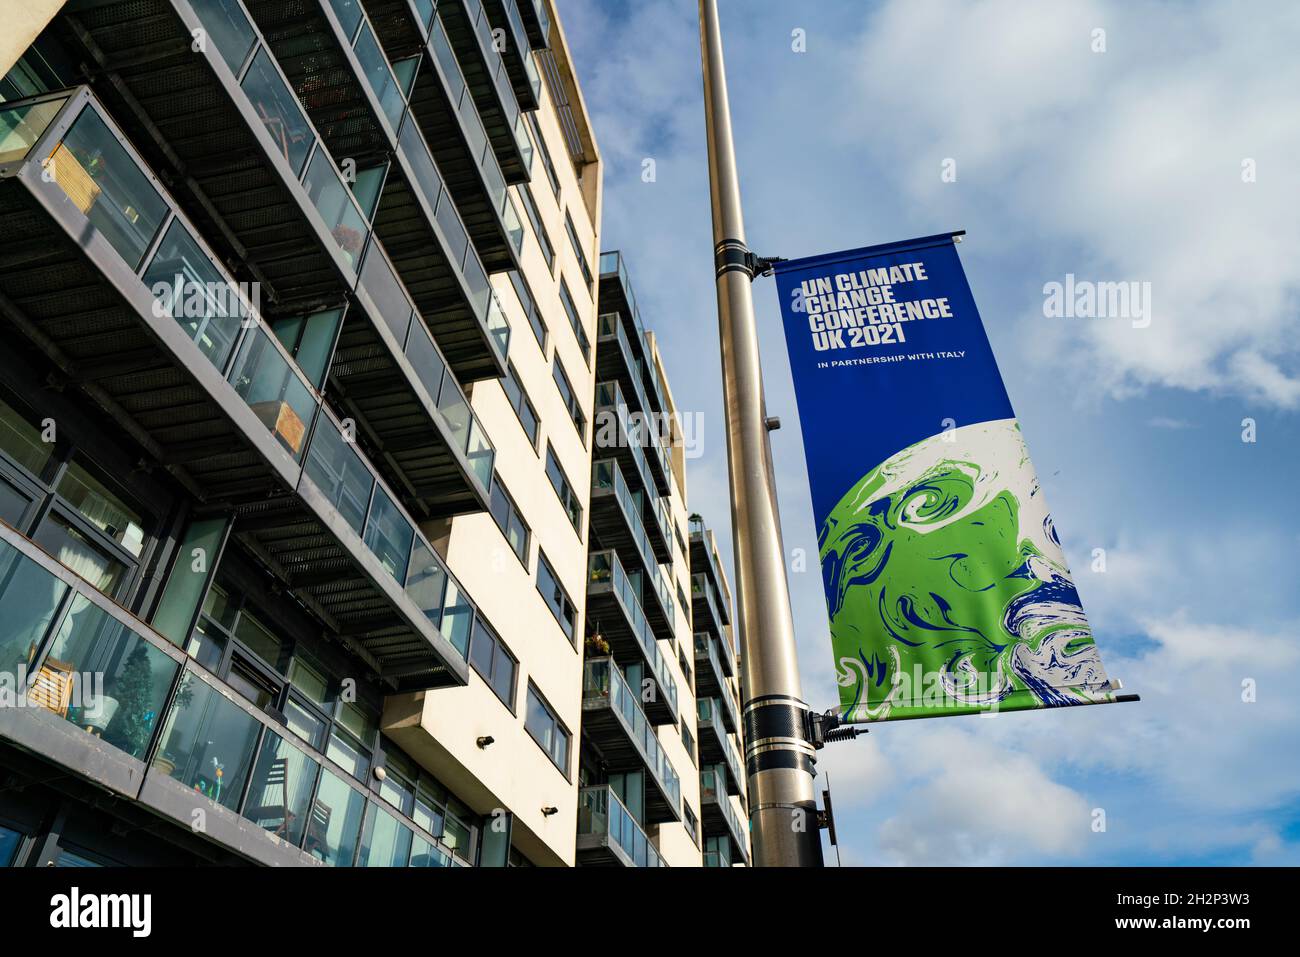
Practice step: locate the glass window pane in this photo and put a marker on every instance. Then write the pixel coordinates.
(426, 582)
(456, 834)
(423, 854)
(259, 639)
(195, 561)
(228, 28)
(503, 677)
(22, 440)
(481, 649)
(336, 468)
(278, 110)
(389, 535)
(187, 287)
(306, 724)
(427, 360)
(379, 76)
(100, 177)
(386, 842)
(310, 680)
(13, 503)
(22, 126)
(345, 752)
(349, 16)
(280, 792)
(335, 204)
(104, 678)
(9, 841)
(267, 382)
(457, 616)
(335, 824)
(387, 294)
(360, 721)
(78, 552)
(102, 508)
(207, 743)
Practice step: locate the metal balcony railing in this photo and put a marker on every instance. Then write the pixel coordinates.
(603, 819)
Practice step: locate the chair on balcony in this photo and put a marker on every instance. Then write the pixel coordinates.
(51, 686)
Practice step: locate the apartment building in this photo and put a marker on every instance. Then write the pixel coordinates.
(312, 549)
(660, 775)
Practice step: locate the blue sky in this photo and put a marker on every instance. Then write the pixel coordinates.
(1123, 164)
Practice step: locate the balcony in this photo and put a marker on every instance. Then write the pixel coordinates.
(354, 96)
(537, 21)
(142, 721)
(202, 385)
(718, 816)
(715, 746)
(617, 296)
(711, 677)
(617, 433)
(615, 610)
(443, 108)
(612, 721)
(705, 614)
(524, 75)
(492, 86)
(608, 835)
(616, 519)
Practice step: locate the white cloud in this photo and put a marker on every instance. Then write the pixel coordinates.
(1123, 165)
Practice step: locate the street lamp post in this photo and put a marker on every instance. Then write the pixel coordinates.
(778, 756)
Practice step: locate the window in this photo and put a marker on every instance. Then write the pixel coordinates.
(691, 822)
(557, 599)
(682, 603)
(519, 401)
(686, 665)
(688, 742)
(570, 399)
(547, 730)
(571, 310)
(509, 520)
(577, 249)
(530, 308)
(53, 495)
(543, 240)
(493, 662)
(560, 482)
(547, 163)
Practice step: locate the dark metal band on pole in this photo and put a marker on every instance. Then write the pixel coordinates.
(778, 755)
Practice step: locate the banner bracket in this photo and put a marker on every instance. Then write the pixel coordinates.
(825, 728)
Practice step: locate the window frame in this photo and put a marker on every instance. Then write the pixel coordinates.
(512, 375)
(544, 562)
(515, 513)
(574, 510)
(499, 649)
(557, 726)
(570, 307)
(572, 404)
(540, 233)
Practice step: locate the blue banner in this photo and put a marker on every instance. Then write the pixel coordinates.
(946, 587)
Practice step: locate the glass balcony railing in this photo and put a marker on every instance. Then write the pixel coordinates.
(610, 400)
(294, 137)
(352, 485)
(713, 789)
(68, 651)
(519, 40)
(602, 814)
(613, 264)
(394, 304)
(606, 474)
(702, 588)
(604, 568)
(480, 148)
(496, 68)
(603, 685)
(708, 711)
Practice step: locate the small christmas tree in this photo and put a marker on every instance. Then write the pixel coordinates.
(133, 723)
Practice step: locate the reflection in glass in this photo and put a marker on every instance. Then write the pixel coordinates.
(60, 538)
(97, 173)
(278, 110)
(389, 535)
(280, 792)
(228, 28)
(334, 202)
(268, 383)
(335, 821)
(207, 743)
(189, 288)
(386, 842)
(21, 126)
(337, 469)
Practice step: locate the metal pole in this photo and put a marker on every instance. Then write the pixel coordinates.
(778, 756)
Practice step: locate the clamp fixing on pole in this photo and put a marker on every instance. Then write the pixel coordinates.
(732, 255)
(825, 727)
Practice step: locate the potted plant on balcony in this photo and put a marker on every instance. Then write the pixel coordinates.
(596, 645)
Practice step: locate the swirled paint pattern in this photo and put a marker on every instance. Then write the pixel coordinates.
(947, 588)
